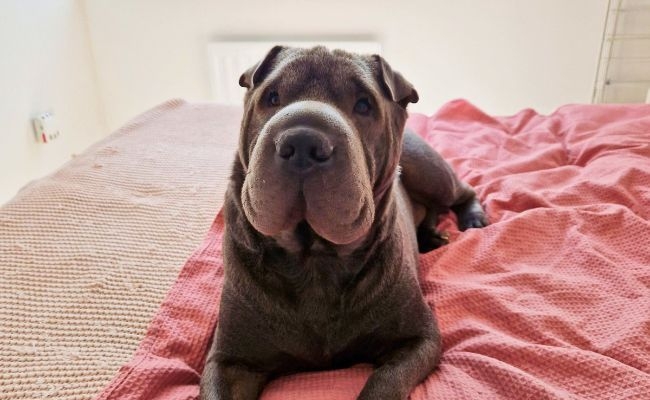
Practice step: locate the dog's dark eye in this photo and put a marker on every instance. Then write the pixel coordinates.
(362, 106)
(274, 99)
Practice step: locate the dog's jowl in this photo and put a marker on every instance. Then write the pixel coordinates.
(329, 203)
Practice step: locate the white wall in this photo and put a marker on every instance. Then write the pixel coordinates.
(45, 65)
(98, 63)
(503, 55)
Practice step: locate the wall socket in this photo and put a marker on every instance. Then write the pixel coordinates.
(45, 128)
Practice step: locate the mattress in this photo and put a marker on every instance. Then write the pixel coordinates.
(101, 288)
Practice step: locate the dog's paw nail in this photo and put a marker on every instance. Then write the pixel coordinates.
(429, 239)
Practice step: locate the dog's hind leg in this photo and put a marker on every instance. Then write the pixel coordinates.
(432, 184)
(468, 210)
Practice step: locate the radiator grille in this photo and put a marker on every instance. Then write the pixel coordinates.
(624, 65)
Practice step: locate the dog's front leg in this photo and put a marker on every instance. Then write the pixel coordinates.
(401, 370)
(231, 382)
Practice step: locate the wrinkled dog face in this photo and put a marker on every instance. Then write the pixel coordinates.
(320, 141)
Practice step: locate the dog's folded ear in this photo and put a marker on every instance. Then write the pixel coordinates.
(256, 74)
(397, 87)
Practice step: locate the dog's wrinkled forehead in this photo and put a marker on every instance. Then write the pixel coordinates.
(319, 72)
(325, 75)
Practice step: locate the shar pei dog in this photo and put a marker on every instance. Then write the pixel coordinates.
(329, 204)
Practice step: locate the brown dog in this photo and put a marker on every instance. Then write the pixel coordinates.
(322, 232)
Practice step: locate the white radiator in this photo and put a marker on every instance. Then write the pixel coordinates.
(229, 59)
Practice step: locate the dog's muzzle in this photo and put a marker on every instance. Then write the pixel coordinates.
(308, 164)
(305, 135)
(303, 149)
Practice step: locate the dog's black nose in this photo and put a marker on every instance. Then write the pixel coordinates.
(303, 149)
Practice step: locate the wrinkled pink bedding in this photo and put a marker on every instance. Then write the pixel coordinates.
(551, 301)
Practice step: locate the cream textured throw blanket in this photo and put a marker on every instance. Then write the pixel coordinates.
(88, 253)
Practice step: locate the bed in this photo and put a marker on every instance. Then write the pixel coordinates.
(110, 268)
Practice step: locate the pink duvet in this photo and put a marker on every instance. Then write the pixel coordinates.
(551, 301)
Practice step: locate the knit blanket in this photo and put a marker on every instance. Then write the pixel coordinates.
(88, 253)
(551, 301)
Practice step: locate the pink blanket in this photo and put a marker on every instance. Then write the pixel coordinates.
(551, 301)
